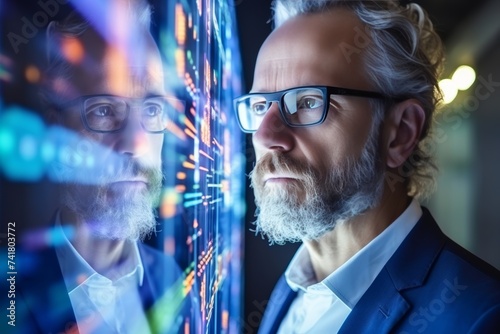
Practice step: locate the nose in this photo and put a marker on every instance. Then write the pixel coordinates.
(273, 133)
(132, 139)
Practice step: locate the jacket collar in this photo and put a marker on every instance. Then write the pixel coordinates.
(382, 306)
(277, 307)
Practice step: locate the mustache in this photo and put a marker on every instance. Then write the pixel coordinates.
(130, 168)
(274, 162)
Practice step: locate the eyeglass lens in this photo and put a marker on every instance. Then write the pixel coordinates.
(299, 106)
(109, 113)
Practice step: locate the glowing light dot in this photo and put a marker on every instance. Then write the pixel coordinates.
(27, 147)
(32, 74)
(48, 151)
(449, 90)
(169, 202)
(463, 77)
(6, 141)
(73, 50)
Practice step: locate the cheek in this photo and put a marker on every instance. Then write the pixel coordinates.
(156, 145)
(348, 131)
(335, 147)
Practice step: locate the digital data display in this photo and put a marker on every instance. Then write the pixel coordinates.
(201, 203)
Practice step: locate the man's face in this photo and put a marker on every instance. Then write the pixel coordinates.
(306, 180)
(122, 191)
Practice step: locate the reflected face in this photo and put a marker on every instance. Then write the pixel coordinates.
(118, 202)
(306, 180)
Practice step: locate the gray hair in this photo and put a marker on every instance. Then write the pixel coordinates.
(403, 60)
(134, 13)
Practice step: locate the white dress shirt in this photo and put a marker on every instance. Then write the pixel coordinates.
(322, 307)
(104, 304)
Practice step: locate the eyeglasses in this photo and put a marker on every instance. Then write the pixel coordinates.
(299, 106)
(109, 113)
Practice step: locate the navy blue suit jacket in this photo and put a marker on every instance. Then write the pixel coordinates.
(43, 304)
(429, 285)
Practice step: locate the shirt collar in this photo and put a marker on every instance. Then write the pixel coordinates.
(351, 280)
(76, 271)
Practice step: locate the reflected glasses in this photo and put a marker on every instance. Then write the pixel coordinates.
(299, 106)
(109, 113)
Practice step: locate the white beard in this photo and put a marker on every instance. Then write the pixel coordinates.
(309, 207)
(119, 215)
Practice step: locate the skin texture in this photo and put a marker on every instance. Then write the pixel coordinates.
(306, 51)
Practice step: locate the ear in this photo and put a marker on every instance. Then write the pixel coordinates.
(403, 129)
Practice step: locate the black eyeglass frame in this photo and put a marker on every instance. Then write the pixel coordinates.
(82, 99)
(326, 90)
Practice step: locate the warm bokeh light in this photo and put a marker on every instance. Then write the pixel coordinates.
(72, 50)
(449, 89)
(464, 77)
(32, 74)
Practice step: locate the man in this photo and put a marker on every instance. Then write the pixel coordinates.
(105, 87)
(340, 110)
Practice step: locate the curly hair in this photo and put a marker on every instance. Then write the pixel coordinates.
(403, 60)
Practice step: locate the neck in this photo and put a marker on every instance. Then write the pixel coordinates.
(100, 253)
(337, 246)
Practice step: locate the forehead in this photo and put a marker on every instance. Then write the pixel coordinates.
(313, 49)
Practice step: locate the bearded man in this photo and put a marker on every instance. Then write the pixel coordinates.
(340, 111)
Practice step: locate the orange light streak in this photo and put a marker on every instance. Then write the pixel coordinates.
(180, 188)
(206, 154)
(189, 133)
(180, 24)
(225, 319)
(189, 165)
(190, 125)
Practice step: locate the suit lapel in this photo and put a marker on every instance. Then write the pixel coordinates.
(277, 307)
(383, 305)
(378, 310)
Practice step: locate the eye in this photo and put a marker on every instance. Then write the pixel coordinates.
(259, 108)
(152, 110)
(310, 102)
(101, 110)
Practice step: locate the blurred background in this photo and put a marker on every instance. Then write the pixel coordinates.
(467, 202)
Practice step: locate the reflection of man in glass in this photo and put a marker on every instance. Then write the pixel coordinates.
(105, 84)
(116, 99)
